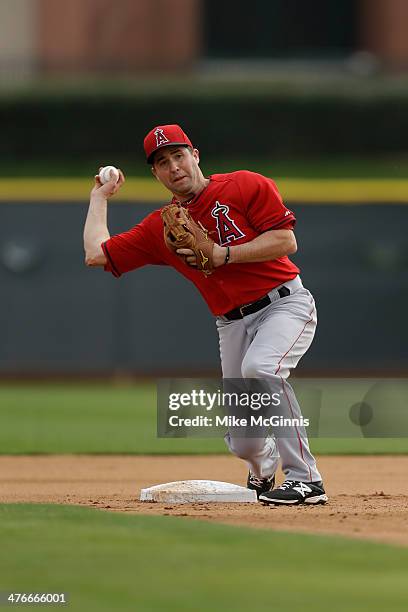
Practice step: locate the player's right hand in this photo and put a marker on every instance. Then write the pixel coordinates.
(110, 188)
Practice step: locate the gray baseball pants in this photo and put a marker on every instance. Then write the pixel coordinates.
(267, 345)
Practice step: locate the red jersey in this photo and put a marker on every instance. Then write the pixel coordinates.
(237, 207)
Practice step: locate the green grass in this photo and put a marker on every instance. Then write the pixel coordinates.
(316, 167)
(86, 419)
(117, 562)
(109, 418)
(392, 167)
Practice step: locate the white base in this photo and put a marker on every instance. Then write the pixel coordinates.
(191, 491)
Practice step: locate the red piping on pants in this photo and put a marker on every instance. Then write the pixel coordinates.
(287, 397)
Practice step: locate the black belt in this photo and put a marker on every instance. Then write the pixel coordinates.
(247, 309)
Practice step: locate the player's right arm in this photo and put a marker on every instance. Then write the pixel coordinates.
(96, 228)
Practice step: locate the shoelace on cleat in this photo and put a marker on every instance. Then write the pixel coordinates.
(287, 484)
(258, 482)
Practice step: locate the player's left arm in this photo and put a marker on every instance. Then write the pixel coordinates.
(266, 247)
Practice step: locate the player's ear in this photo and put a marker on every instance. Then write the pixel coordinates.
(196, 154)
(153, 172)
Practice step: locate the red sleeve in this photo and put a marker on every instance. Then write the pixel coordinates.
(135, 248)
(263, 203)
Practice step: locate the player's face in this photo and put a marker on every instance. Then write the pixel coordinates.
(178, 169)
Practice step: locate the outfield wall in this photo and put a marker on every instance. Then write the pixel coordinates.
(60, 317)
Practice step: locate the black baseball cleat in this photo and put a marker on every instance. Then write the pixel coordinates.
(295, 492)
(260, 485)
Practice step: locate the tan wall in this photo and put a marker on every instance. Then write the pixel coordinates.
(126, 35)
(17, 36)
(384, 31)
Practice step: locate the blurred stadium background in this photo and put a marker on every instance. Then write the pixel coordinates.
(313, 95)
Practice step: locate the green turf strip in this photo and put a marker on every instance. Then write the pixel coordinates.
(115, 562)
(47, 418)
(392, 166)
(104, 418)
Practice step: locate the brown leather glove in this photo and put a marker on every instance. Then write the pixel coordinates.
(182, 232)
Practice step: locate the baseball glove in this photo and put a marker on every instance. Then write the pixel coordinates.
(182, 232)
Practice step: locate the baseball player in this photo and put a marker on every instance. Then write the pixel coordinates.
(265, 318)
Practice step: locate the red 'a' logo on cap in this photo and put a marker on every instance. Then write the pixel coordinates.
(160, 137)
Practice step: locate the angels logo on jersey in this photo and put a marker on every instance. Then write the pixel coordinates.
(226, 227)
(160, 137)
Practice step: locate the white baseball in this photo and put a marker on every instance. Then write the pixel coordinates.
(108, 173)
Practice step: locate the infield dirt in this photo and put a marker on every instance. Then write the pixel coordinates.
(368, 494)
